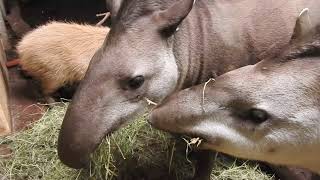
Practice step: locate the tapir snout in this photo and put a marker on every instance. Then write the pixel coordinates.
(182, 110)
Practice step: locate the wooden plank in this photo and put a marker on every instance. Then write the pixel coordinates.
(3, 8)
(3, 29)
(5, 118)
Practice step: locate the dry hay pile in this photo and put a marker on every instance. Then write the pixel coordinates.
(132, 153)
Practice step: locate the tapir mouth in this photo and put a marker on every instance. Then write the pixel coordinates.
(81, 134)
(201, 141)
(71, 156)
(193, 139)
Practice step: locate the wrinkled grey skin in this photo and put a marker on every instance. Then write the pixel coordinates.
(213, 37)
(285, 87)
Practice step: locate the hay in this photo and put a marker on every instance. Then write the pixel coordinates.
(132, 153)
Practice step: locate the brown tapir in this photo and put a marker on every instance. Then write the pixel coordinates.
(269, 111)
(156, 47)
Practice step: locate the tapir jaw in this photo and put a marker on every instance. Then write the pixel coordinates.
(191, 112)
(70, 147)
(190, 125)
(78, 138)
(82, 131)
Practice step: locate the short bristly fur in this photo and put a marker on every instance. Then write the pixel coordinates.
(283, 90)
(59, 53)
(213, 37)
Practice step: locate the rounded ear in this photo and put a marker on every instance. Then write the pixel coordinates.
(303, 25)
(113, 6)
(169, 19)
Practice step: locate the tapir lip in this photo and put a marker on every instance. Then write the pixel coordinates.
(77, 141)
(72, 158)
(75, 157)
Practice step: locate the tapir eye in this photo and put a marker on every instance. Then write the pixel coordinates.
(136, 82)
(257, 115)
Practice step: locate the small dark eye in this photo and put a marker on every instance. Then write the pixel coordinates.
(257, 115)
(136, 82)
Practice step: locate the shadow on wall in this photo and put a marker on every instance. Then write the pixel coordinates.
(24, 15)
(36, 12)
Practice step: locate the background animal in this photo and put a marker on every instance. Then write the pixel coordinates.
(269, 111)
(156, 47)
(58, 54)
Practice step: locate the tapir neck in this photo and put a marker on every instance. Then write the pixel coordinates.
(219, 36)
(192, 46)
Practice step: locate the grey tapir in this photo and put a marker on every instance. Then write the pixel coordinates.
(156, 47)
(269, 111)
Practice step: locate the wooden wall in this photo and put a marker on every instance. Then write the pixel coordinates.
(5, 119)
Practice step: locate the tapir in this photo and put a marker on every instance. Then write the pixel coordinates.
(156, 47)
(269, 111)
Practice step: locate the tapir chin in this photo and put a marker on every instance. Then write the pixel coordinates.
(156, 47)
(269, 111)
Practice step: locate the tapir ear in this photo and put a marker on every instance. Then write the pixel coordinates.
(113, 6)
(303, 25)
(169, 19)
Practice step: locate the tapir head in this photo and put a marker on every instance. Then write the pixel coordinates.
(136, 62)
(269, 111)
(256, 112)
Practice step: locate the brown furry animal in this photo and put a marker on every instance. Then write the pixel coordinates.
(58, 53)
